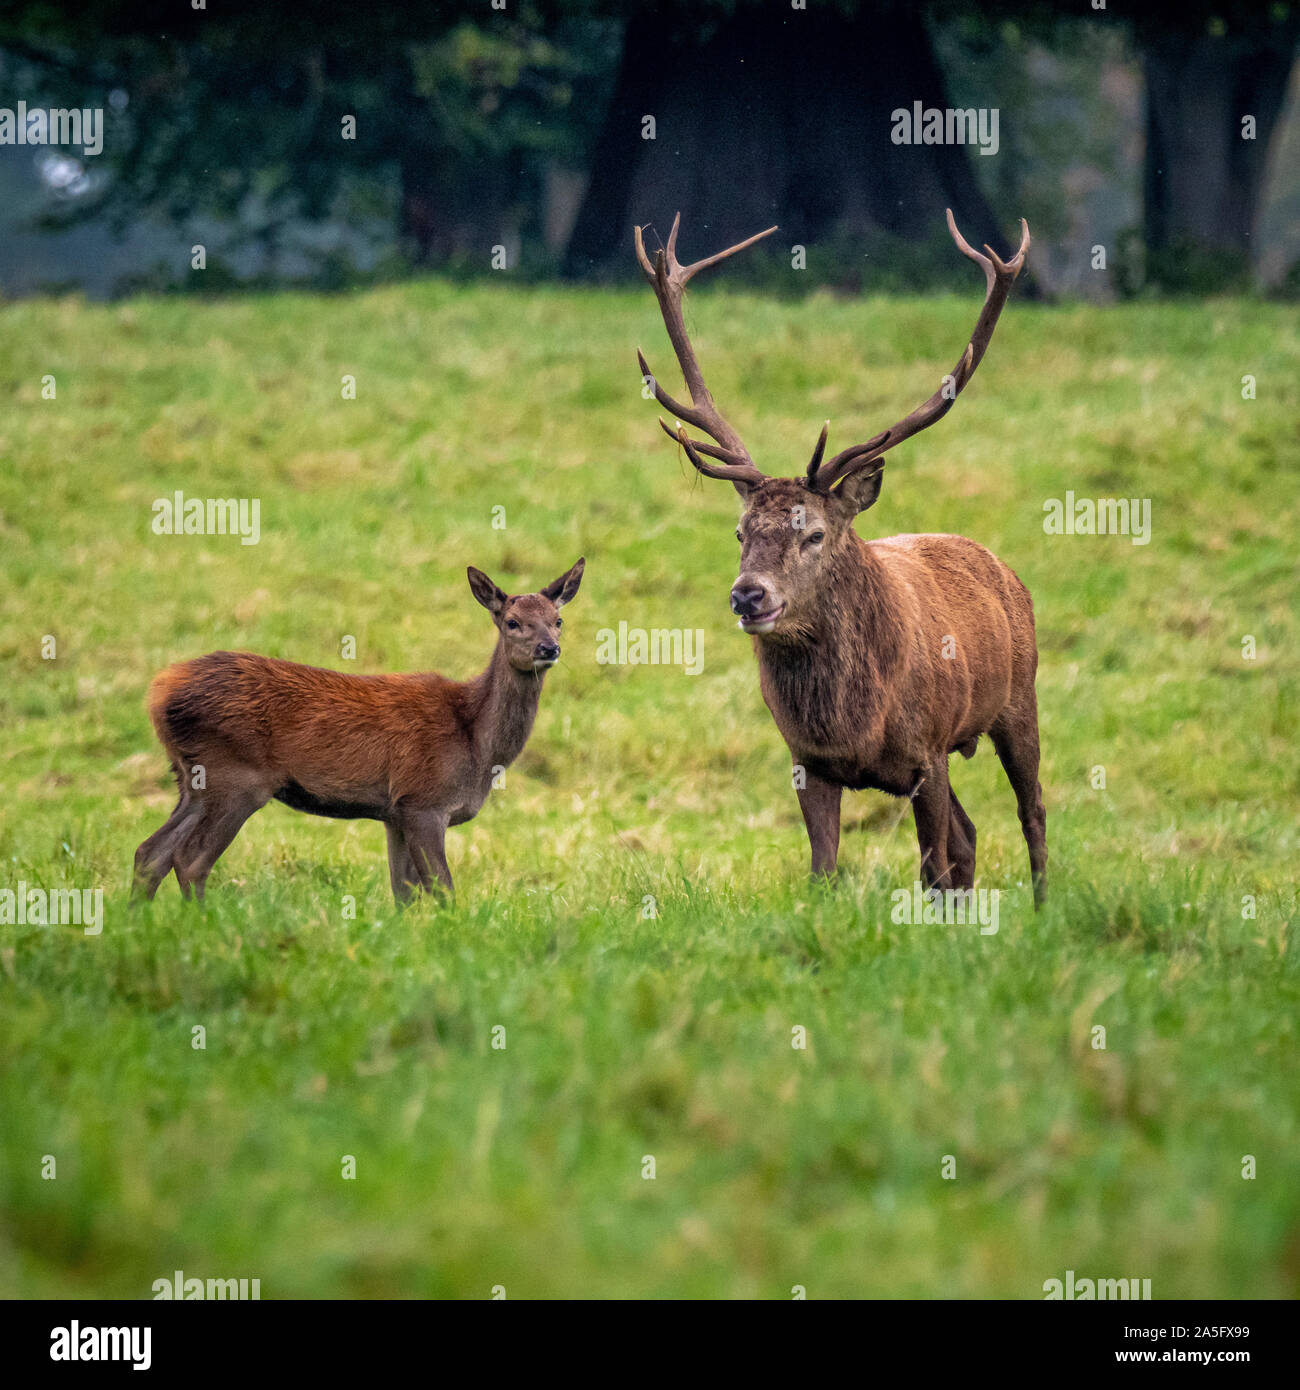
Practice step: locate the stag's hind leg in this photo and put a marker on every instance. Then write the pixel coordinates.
(1015, 737)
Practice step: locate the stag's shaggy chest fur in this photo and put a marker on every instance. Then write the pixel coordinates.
(911, 656)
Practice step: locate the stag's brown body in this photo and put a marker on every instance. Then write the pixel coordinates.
(912, 653)
(878, 659)
(418, 752)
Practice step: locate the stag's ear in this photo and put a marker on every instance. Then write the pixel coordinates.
(485, 591)
(860, 490)
(562, 590)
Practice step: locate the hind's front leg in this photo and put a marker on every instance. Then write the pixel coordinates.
(425, 833)
(820, 803)
(401, 867)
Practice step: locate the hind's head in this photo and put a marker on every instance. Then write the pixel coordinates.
(529, 624)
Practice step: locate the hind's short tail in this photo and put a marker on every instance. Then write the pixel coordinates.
(161, 690)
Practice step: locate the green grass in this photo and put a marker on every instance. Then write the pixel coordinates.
(629, 1035)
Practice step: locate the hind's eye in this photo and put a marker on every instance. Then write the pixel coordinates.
(559, 623)
(512, 625)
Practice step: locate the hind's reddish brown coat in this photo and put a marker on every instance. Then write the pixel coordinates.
(418, 752)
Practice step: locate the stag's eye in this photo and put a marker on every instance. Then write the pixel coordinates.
(512, 625)
(739, 537)
(816, 538)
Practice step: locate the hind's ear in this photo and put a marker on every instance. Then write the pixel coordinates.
(860, 490)
(562, 590)
(485, 591)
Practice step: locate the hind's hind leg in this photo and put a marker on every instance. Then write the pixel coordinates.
(220, 823)
(1015, 736)
(153, 860)
(233, 792)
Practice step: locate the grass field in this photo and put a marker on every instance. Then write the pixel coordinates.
(630, 1035)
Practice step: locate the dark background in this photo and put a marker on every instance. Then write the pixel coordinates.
(522, 127)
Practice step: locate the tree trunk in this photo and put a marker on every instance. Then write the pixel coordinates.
(777, 115)
(1203, 180)
(452, 209)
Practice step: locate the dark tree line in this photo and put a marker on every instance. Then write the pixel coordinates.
(773, 114)
(763, 111)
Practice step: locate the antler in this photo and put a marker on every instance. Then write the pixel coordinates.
(998, 276)
(669, 278)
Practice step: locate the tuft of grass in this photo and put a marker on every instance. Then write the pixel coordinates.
(633, 914)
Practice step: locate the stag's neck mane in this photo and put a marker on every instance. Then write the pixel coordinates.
(502, 704)
(833, 679)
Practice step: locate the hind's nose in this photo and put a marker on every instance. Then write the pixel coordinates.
(546, 651)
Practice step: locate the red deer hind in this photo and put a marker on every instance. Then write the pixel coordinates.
(418, 752)
(876, 658)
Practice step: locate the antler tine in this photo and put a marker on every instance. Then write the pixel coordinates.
(712, 450)
(669, 277)
(690, 270)
(692, 416)
(815, 462)
(641, 255)
(671, 248)
(732, 473)
(992, 264)
(998, 276)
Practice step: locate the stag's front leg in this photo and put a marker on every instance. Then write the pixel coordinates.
(931, 807)
(961, 844)
(820, 803)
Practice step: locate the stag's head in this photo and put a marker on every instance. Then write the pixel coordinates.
(794, 531)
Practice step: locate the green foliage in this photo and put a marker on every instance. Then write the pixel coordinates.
(242, 118)
(627, 1035)
(497, 93)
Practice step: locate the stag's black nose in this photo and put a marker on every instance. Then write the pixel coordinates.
(748, 599)
(546, 651)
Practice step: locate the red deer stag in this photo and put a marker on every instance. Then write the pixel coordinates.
(418, 752)
(876, 658)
